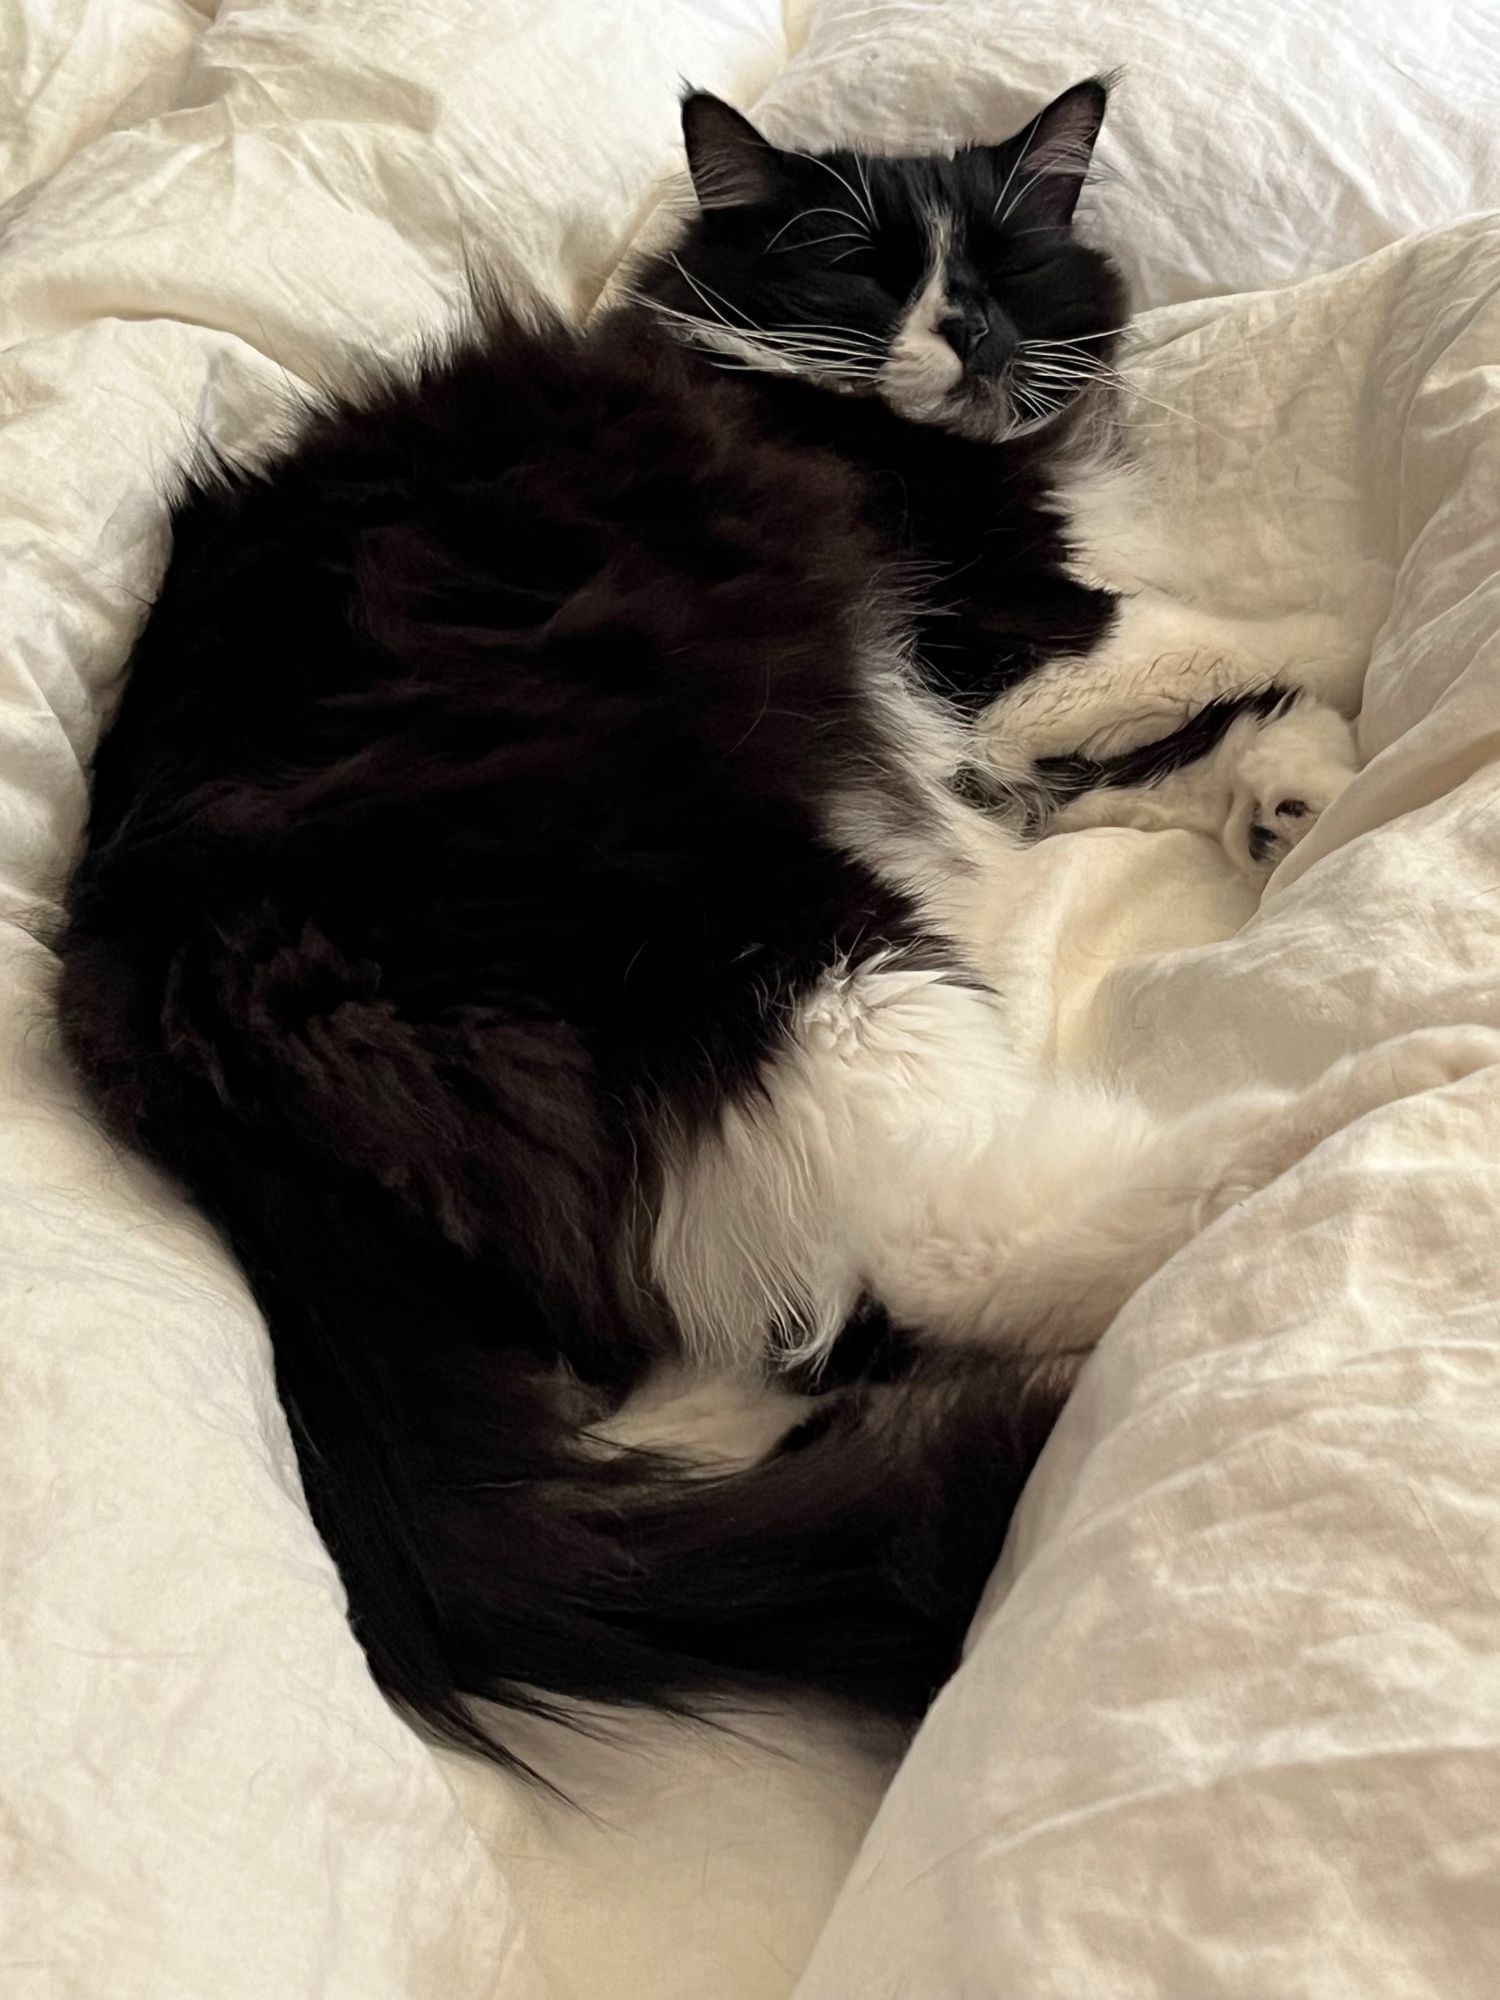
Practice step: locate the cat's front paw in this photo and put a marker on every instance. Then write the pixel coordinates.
(1289, 773)
(1275, 829)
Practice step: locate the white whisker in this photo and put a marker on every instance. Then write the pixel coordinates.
(796, 336)
(864, 182)
(839, 236)
(856, 227)
(863, 206)
(707, 294)
(1103, 372)
(812, 353)
(1050, 172)
(1031, 131)
(1077, 339)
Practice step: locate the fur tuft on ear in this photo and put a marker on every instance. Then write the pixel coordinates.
(1057, 151)
(731, 164)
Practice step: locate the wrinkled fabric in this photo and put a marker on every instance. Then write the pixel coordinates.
(1230, 1720)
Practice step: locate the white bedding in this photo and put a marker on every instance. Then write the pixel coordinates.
(1230, 1724)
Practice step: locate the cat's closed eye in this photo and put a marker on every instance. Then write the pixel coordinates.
(1014, 259)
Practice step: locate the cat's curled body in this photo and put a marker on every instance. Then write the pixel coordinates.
(528, 904)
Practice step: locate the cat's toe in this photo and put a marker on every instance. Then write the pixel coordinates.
(1293, 769)
(1273, 832)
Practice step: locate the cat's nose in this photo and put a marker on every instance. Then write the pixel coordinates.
(964, 330)
(980, 335)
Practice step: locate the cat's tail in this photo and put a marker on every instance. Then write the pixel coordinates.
(493, 1542)
(848, 1562)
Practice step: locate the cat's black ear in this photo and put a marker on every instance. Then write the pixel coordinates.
(1058, 147)
(731, 164)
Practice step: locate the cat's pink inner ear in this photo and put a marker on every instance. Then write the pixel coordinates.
(1066, 132)
(731, 164)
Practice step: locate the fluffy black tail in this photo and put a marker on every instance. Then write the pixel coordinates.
(492, 1546)
(490, 1543)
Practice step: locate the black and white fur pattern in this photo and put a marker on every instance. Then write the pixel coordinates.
(897, 1149)
(956, 360)
(538, 898)
(1276, 750)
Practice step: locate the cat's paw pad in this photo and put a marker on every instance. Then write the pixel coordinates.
(1292, 770)
(1275, 829)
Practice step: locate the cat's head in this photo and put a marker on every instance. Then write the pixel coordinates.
(954, 289)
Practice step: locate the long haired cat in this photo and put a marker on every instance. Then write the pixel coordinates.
(529, 904)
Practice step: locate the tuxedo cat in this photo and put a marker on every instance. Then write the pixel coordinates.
(1098, 701)
(531, 903)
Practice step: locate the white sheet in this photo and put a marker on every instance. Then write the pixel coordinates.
(1229, 1724)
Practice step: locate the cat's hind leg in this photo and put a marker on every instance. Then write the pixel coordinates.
(1098, 1196)
(1287, 773)
(896, 1152)
(1259, 789)
(1161, 663)
(1183, 719)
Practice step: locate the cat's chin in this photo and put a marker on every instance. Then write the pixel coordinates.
(984, 417)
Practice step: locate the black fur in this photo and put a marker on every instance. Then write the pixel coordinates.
(802, 255)
(1065, 778)
(463, 820)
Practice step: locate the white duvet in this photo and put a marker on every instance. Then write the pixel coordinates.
(1230, 1721)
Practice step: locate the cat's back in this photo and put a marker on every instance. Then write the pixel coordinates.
(512, 663)
(534, 506)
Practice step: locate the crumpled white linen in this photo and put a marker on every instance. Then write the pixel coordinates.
(1229, 1722)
